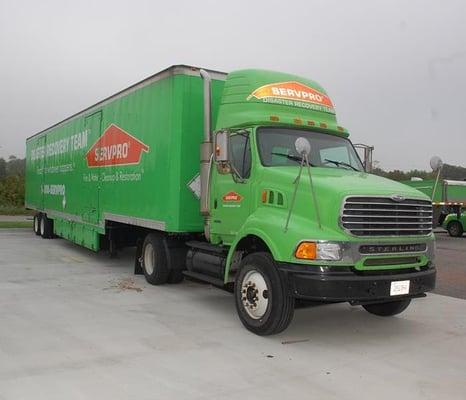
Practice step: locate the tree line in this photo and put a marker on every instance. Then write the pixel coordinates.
(12, 178)
(453, 172)
(12, 173)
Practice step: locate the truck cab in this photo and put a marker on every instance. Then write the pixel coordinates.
(296, 214)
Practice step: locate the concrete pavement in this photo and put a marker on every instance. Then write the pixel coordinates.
(78, 325)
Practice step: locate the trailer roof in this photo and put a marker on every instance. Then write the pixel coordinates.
(455, 183)
(170, 71)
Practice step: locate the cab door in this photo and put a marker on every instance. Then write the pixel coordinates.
(231, 190)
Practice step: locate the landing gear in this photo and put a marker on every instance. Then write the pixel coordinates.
(263, 301)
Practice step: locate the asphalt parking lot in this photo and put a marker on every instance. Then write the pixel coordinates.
(78, 325)
(451, 265)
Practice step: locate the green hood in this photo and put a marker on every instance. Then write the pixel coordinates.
(346, 182)
(331, 185)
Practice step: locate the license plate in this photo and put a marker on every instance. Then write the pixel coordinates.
(399, 287)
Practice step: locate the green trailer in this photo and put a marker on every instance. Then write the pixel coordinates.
(244, 180)
(449, 201)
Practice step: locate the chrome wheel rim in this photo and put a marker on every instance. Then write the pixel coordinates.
(42, 226)
(254, 294)
(36, 224)
(149, 258)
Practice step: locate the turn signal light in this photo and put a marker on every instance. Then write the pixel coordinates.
(264, 196)
(306, 251)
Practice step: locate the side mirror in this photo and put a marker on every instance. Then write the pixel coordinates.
(367, 155)
(436, 163)
(221, 146)
(302, 146)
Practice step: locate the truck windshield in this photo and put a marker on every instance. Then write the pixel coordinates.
(277, 148)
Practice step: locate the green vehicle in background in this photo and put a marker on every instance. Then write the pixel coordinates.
(275, 207)
(449, 201)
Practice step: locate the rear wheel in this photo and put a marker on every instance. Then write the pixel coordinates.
(387, 309)
(154, 260)
(175, 276)
(36, 224)
(455, 229)
(46, 227)
(263, 301)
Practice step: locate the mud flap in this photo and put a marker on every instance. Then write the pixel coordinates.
(137, 259)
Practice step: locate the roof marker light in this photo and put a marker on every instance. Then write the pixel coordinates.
(298, 121)
(323, 125)
(274, 118)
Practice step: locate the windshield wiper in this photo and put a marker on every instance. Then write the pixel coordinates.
(291, 157)
(338, 163)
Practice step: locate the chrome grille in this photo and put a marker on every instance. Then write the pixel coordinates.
(382, 216)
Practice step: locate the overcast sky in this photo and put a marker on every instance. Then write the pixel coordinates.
(395, 70)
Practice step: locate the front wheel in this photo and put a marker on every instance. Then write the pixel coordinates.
(263, 302)
(455, 229)
(387, 309)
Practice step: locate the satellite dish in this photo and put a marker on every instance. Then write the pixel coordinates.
(302, 146)
(436, 163)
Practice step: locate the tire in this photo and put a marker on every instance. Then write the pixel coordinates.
(387, 309)
(154, 260)
(46, 227)
(455, 229)
(263, 301)
(36, 224)
(175, 276)
(177, 251)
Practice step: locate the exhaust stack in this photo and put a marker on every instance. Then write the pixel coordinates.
(206, 148)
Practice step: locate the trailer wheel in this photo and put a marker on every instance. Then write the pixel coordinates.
(46, 227)
(154, 260)
(455, 229)
(387, 309)
(263, 302)
(36, 224)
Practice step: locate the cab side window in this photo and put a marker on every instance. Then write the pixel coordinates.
(240, 154)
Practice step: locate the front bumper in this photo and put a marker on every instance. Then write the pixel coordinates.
(335, 286)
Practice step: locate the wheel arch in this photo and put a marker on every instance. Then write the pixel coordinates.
(249, 242)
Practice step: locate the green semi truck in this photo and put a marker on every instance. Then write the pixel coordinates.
(275, 206)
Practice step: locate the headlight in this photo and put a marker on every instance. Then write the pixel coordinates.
(328, 251)
(318, 251)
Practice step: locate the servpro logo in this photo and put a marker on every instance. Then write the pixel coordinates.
(232, 196)
(115, 147)
(293, 94)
